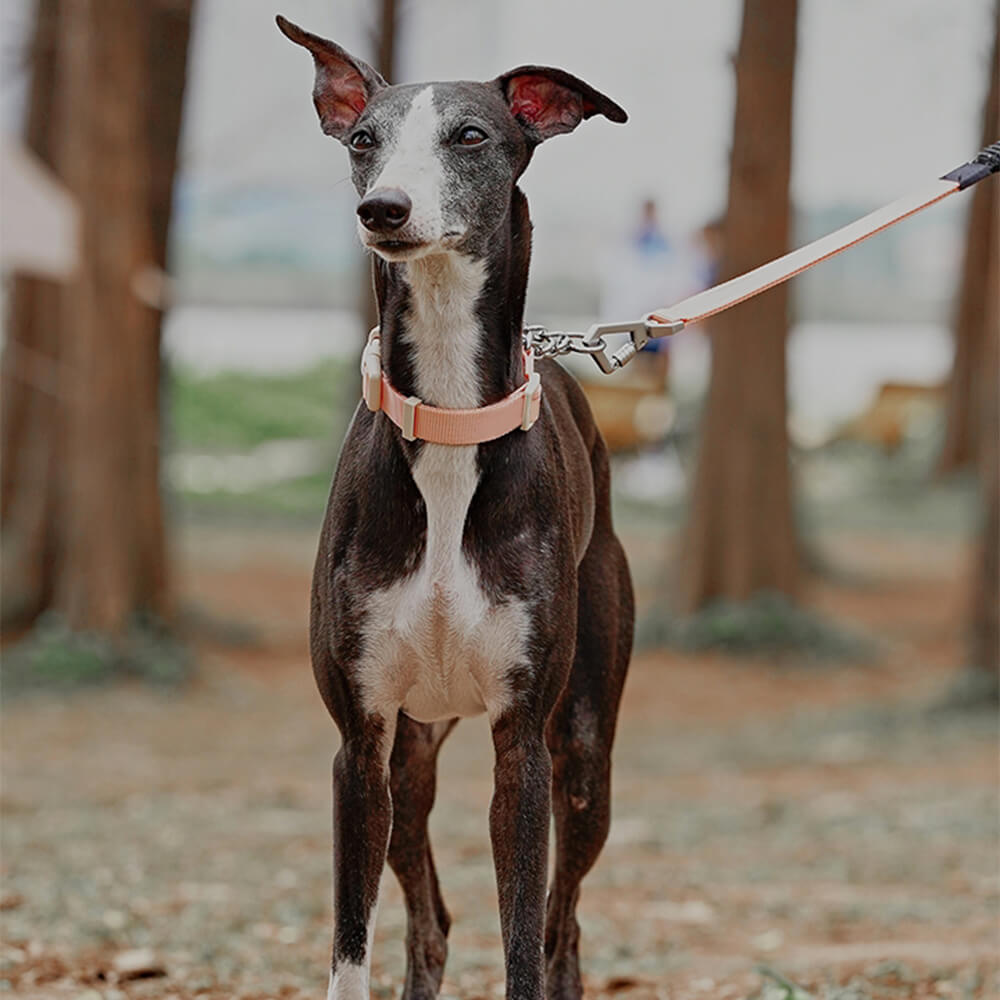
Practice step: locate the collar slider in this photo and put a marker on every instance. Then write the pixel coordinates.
(410, 405)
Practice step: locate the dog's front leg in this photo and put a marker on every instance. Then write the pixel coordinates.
(519, 828)
(362, 821)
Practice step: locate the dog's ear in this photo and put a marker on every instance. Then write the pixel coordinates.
(344, 84)
(547, 101)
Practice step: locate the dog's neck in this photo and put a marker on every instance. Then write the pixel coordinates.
(451, 323)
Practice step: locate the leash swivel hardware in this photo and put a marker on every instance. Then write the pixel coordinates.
(553, 343)
(640, 333)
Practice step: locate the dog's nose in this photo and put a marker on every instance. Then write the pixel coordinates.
(384, 209)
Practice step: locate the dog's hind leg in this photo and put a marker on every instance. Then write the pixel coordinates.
(413, 776)
(580, 734)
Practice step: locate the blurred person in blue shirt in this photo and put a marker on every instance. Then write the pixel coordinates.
(647, 272)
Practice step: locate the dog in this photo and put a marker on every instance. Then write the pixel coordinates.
(459, 578)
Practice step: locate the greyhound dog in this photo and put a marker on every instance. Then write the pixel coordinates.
(457, 577)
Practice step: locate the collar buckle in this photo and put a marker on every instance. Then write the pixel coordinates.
(532, 404)
(371, 371)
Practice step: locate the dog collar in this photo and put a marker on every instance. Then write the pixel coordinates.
(437, 425)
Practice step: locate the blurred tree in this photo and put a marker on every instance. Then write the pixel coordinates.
(740, 536)
(970, 376)
(978, 328)
(985, 652)
(28, 370)
(80, 504)
(384, 36)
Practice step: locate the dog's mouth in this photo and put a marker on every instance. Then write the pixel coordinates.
(397, 249)
(397, 244)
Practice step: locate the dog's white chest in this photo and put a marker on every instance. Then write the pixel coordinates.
(435, 645)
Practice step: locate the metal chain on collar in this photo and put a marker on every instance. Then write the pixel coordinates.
(554, 343)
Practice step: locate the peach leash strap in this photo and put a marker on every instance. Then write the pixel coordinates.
(760, 279)
(671, 319)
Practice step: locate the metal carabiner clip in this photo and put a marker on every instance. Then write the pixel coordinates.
(640, 332)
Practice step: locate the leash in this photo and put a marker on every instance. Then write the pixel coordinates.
(418, 420)
(672, 319)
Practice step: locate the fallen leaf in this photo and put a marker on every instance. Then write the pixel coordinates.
(138, 963)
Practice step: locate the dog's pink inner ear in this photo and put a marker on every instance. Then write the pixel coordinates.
(546, 106)
(340, 95)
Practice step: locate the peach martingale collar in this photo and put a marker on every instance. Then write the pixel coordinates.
(419, 421)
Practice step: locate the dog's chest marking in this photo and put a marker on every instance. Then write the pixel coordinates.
(435, 645)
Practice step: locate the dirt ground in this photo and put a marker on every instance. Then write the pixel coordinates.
(815, 821)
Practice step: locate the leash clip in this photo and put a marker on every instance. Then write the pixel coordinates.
(640, 332)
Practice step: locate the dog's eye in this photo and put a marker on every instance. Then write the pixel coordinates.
(361, 141)
(471, 136)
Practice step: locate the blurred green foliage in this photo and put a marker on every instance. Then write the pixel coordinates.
(240, 410)
(53, 657)
(292, 499)
(768, 625)
(236, 412)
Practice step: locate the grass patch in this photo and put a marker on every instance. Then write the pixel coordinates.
(887, 980)
(777, 986)
(852, 486)
(769, 625)
(294, 499)
(53, 657)
(236, 410)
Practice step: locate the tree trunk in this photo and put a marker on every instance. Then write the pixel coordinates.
(167, 36)
(985, 651)
(109, 390)
(29, 375)
(740, 536)
(81, 428)
(970, 377)
(384, 43)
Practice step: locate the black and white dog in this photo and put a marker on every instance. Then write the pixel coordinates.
(454, 579)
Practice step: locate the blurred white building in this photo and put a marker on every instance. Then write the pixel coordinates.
(39, 221)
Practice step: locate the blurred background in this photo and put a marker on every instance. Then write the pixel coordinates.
(806, 782)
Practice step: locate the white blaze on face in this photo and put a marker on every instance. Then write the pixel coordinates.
(414, 167)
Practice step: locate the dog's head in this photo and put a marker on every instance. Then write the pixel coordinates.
(435, 164)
